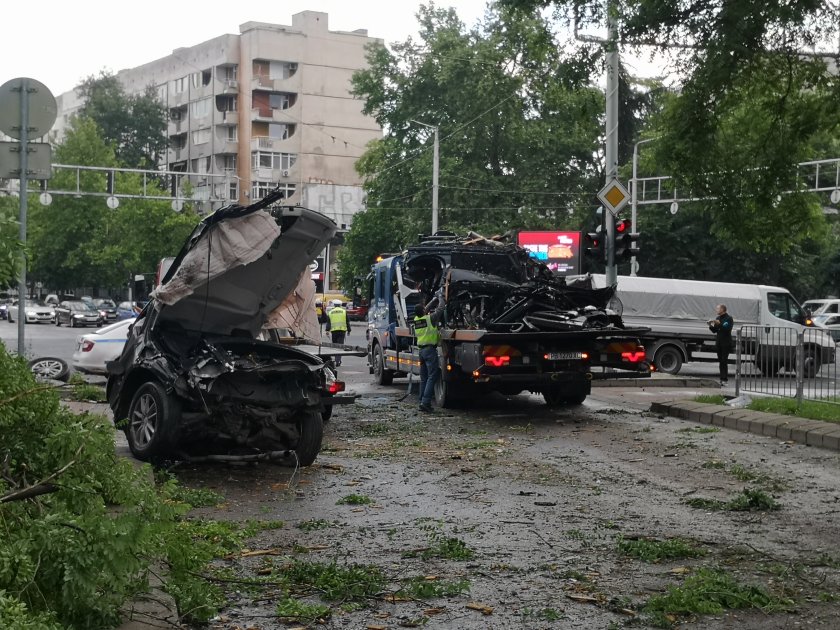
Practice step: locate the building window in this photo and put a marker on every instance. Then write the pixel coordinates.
(226, 73)
(201, 108)
(279, 101)
(268, 159)
(161, 93)
(231, 134)
(261, 189)
(201, 136)
(181, 85)
(280, 131)
(226, 103)
(227, 162)
(274, 69)
(201, 165)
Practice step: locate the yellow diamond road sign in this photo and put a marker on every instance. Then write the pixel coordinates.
(614, 196)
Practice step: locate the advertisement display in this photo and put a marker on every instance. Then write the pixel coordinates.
(559, 250)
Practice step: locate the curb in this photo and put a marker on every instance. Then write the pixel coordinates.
(788, 428)
(658, 381)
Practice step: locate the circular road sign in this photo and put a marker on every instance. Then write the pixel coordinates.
(177, 205)
(45, 198)
(674, 207)
(113, 202)
(835, 196)
(42, 107)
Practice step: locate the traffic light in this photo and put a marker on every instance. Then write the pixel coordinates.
(626, 241)
(593, 243)
(109, 185)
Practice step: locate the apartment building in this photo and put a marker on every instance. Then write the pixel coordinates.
(270, 106)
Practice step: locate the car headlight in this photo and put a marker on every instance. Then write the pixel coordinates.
(77, 315)
(31, 313)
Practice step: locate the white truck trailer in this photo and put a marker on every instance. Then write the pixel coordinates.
(677, 313)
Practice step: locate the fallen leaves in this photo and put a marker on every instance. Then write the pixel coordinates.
(484, 609)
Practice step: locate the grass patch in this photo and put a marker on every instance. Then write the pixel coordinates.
(648, 550)
(355, 499)
(748, 501)
(710, 399)
(421, 587)
(441, 546)
(699, 430)
(710, 592)
(87, 392)
(542, 614)
(812, 409)
(714, 464)
(374, 428)
(314, 524)
(290, 609)
(334, 582)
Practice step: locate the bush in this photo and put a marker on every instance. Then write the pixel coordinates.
(79, 526)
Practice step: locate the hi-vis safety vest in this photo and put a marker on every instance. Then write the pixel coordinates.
(338, 319)
(427, 333)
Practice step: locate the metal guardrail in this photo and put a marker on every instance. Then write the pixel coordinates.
(789, 363)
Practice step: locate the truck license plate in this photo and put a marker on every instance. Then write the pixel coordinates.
(563, 356)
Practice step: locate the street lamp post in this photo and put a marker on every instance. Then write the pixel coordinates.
(435, 174)
(634, 265)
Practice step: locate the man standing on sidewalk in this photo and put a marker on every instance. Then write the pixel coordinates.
(425, 329)
(722, 327)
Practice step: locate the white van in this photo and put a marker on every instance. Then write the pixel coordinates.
(677, 312)
(828, 306)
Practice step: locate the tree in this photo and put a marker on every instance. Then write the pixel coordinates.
(80, 242)
(520, 126)
(11, 249)
(134, 125)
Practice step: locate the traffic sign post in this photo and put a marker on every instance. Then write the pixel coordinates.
(27, 109)
(614, 196)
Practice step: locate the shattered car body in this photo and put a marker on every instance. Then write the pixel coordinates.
(194, 376)
(496, 286)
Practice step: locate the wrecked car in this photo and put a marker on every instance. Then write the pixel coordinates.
(195, 378)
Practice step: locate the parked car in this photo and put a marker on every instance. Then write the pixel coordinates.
(4, 308)
(126, 310)
(193, 376)
(830, 323)
(94, 350)
(36, 313)
(107, 309)
(828, 306)
(77, 314)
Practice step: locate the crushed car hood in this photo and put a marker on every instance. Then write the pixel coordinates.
(238, 265)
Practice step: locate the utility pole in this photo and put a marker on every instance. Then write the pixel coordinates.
(435, 173)
(612, 131)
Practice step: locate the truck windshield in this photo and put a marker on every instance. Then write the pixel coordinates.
(783, 306)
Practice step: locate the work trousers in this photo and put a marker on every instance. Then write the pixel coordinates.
(429, 373)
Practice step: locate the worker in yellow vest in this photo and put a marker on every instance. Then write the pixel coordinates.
(425, 329)
(338, 325)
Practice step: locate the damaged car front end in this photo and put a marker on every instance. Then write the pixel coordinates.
(194, 378)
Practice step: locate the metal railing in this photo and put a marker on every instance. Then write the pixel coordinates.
(787, 362)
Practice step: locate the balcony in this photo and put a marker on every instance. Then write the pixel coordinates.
(264, 82)
(264, 143)
(227, 86)
(176, 127)
(178, 98)
(223, 144)
(177, 154)
(287, 116)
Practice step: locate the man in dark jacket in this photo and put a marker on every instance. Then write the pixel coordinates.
(722, 327)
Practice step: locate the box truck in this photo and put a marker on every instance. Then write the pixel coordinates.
(677, 313)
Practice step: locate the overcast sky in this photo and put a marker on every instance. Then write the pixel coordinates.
(59, 43)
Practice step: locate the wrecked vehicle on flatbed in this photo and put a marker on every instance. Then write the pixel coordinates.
(509, 324)
(194, 377)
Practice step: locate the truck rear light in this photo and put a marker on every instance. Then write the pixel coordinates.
(87, 345)
(633, 357)
(335, 387)
(497, 361)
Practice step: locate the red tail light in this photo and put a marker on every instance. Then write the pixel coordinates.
(87, 345)
(633, 357)
(335, 387)
(497, 361)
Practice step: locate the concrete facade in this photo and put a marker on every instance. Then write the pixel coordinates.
(269, 106)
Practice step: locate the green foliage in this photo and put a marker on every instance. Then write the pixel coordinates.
(72, 555)
(354, 499)
(420, 587)
(291, 609)
(711, 399)
(11, 249)
(88, 392)
(828, 412)
(443, 546)
(711, 592)
(314, 524)
(334, 582)
(81, 242)
(133, 125)
(749, 500)
(656, 550)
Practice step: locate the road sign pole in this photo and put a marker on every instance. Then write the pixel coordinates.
(612, 131)
(24, 184)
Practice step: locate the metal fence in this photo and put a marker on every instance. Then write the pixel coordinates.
(787, 362)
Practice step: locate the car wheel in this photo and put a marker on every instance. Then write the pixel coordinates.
(811, 363)
(326, 414)
(445, 396)
(557, 396)
(50, 367)
(152, 419)
(381, 374)
(311, 429)
(668, 359)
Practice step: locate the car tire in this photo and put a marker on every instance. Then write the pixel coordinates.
(381, 374)
(445, 394)
(153, 417)
(557, 396)
(50, 367)
(326, 414)
(311, 430)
